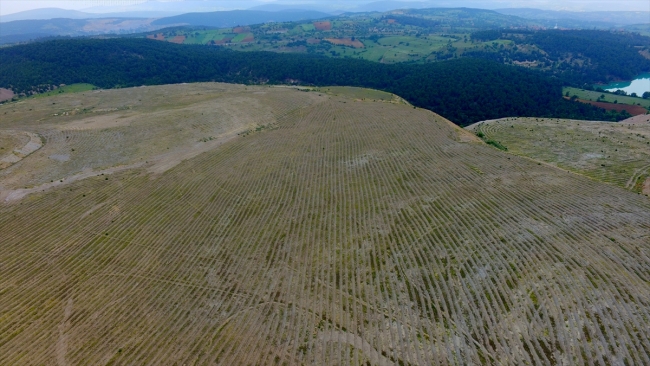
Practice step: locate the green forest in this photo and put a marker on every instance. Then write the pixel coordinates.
(578, 57)
(464, 90)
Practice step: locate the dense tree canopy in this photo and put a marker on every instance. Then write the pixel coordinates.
(577, 57)
(465, 91)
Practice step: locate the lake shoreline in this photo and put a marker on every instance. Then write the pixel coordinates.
(639, 85)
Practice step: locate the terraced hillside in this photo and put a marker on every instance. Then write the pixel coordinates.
(615, 153)
(312, 228)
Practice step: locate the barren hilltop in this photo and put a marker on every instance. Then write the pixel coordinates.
(228, 224)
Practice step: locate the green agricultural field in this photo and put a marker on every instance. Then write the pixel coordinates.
(74, 88)
(606, 97)
(308, 27)
(615, 153)
(233, 225)
(240, 37)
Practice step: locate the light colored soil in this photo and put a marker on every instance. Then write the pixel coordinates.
(646, 186)
(346, 42)
(121, 131)
(640, 119)
(353, 340)
(20, 144)
(5, 94)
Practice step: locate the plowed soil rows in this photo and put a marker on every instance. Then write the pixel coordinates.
(346, 42)
(339, 233)
(634, 110)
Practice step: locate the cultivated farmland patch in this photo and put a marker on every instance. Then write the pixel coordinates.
(323, 26)
(346, 42)
(634, 110)
(331, 232)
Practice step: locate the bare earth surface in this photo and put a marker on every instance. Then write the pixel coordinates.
(300, 228)
(5, 94)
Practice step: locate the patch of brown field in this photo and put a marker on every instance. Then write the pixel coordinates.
(178, 39)
(313, 40)
(5, 94)
(346, 42)
(323, 26)
(238, 30)
(157, 37)
(391, 21)
(248, 39)
(634, 110)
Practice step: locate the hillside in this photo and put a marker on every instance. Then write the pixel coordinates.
(230, 224)
(411, 35)
(25, 30)
(609, 19)
(464, 91)
(577, 56)
(615, 153)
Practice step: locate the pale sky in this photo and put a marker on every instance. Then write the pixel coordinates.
(13, 6)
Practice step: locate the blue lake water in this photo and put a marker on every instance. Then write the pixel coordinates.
(639, 85)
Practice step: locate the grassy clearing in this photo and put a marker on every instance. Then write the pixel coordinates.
(346, 233)
(616, 153)
(606, 97)
(73, 88)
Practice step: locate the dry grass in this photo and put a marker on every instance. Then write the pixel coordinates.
(335, 232)
(615, 153)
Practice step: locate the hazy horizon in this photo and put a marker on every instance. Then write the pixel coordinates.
(8, 7)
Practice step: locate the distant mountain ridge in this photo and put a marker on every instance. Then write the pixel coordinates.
(619, 18)
(55, 13)
(27, 30)
(239, 17)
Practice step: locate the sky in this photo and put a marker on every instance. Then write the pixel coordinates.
(13, 6)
